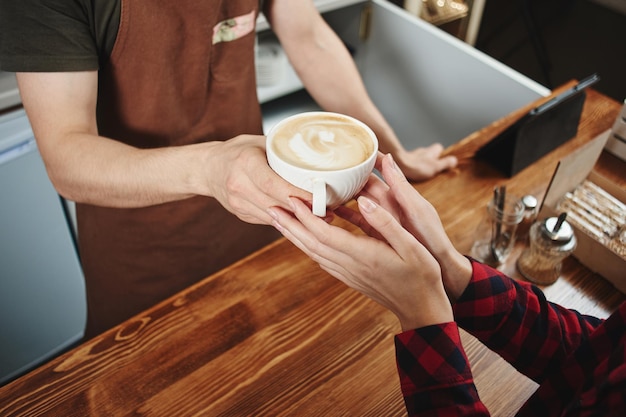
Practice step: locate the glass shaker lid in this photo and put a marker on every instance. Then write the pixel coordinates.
(530, 202)
(557, 229)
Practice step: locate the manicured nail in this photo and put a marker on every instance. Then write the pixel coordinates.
(292, 204)
(278, 227)
(393, 163)
(366, 204)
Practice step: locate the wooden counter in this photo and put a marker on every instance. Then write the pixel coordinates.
(273, 335)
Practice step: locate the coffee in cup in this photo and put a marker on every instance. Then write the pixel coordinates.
(328, 154)
(326, 142)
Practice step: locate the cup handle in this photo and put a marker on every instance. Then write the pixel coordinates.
(319, 197)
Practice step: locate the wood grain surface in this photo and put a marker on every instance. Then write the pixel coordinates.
(273, 335)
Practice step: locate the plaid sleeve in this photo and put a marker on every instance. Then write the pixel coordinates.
(515, 320)
(435, 374)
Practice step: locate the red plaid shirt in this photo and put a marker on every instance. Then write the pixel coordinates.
(578, 361)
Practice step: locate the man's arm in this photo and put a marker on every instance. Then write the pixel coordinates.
(329, 73)
(89, 168)
(85, 167)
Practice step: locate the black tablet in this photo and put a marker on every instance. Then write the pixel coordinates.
(537, 132)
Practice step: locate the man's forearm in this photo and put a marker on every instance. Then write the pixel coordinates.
(91, 169)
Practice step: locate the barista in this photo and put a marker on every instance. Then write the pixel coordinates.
(146, 116)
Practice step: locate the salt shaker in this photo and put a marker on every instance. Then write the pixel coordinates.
(551, 241)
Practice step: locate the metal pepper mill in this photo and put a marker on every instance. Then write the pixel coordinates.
(551, 241)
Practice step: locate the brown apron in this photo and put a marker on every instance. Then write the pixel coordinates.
(166, 84)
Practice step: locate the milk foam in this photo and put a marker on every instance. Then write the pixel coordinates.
(330, 144)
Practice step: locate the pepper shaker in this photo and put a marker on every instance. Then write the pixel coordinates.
(551, 241)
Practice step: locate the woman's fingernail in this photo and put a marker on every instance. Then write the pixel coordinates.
(292, 204)
(366, 204)
(393, 163)
(278, 227)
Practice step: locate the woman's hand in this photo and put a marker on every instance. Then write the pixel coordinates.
(418, 217)
(397, 272)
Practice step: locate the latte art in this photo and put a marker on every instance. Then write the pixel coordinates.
(331, 143)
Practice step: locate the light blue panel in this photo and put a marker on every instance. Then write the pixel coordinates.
(42, 291)
(431, 86)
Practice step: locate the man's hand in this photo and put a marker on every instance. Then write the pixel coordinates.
(423, 163)
(240, 178)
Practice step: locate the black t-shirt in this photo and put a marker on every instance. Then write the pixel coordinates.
(57, 35)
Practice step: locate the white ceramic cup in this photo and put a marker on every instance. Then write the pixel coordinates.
(322, 157)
